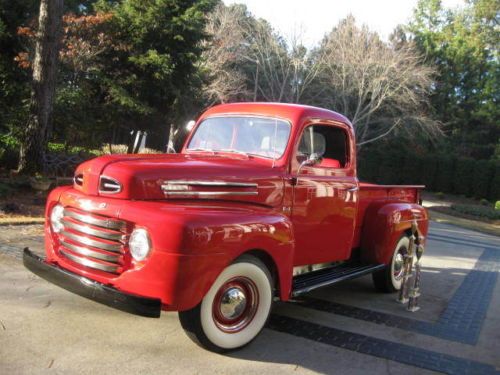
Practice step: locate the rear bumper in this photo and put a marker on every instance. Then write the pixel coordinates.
(149, 307)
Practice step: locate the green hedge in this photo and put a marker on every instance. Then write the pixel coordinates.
(444, 173)
(474, 210)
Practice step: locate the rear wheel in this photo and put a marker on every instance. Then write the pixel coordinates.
(234, 310)
(389, 279)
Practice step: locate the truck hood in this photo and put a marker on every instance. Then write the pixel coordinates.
(182, 176)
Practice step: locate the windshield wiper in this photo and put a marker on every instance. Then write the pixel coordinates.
(232, 150)
(201, 149)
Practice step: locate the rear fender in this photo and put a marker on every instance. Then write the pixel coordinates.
(383, 226)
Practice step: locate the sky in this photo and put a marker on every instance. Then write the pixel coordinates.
(314, 18)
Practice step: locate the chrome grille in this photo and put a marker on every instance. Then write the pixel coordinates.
(93, 241)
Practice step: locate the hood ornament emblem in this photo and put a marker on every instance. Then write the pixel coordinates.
(88, 205)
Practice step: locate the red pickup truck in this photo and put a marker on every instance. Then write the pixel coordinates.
(261, 204)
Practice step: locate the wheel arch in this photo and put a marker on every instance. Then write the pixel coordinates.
(269, 262)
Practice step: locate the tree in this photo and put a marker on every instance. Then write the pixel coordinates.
(32, 152)
(14, 81)
(245, 59)
(127, 65)
(380, 87)
(150, 78)
(223, 55)
(463, 45)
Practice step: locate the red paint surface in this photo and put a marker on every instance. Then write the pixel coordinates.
(320, 219)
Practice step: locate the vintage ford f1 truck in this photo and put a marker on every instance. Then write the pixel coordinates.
(262, 204)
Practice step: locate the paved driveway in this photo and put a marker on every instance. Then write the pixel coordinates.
(345, 329)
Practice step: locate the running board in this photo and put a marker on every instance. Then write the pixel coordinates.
(316, 279)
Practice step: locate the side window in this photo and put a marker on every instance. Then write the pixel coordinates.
(330, 142)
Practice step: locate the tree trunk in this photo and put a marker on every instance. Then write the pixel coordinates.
(32, 152)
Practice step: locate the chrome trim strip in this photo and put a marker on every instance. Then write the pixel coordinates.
(93, 232)
(211, 183)
(113, 258)
(89, 263)
(90, 242)
(117, 188)
(209, 193)
(104, 223)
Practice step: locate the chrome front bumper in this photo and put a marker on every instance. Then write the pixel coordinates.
(149, 307)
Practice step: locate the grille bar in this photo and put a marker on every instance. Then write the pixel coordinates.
(93, 220)
(110, 257)
(91, 242)
(83, 228)
(90, 263)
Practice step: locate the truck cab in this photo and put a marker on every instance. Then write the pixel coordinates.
(262, 203)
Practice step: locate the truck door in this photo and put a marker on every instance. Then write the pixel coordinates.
(325, 194)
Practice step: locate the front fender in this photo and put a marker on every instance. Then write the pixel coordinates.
(384, 224)
(233, 233)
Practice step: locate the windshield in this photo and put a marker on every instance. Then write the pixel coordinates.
(266, 137)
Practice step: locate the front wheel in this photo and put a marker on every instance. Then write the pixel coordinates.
(389, 279)
(234, 310)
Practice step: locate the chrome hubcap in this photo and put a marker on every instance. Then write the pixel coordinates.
(233, 303)
(398, 265)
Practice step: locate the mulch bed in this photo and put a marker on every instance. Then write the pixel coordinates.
(25, 203)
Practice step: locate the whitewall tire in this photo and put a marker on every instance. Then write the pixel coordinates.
(234, 310)
(389, 279)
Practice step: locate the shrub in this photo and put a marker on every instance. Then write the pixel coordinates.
(494, 193)
(5, 190)
(483, 176)
(389, 171)
(122, 149)
(9, 151)
(113, 149)
(497, 206)
(147, 150)
(439, 172)
(428, 171)
(464, 177)
(479, 211)
(484, 202)
(61, 148)
(440, 195)
(444, 174)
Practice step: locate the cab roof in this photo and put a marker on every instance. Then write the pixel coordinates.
(291, 112)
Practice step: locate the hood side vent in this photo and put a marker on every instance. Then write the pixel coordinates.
(108, 185)
(78, 179)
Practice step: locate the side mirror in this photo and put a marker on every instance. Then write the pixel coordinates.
(313, 159)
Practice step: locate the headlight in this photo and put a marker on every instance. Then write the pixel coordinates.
(56, 218)
(139, 244)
